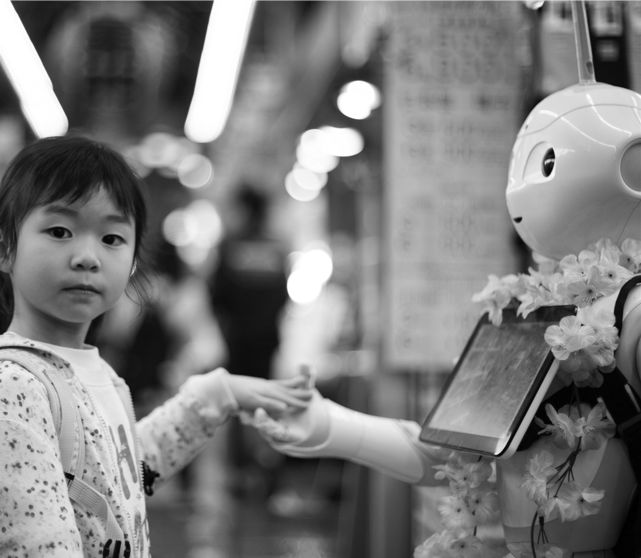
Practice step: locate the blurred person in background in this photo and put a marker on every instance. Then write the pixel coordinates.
(248, 290)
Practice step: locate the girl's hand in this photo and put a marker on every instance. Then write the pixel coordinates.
(275, 396)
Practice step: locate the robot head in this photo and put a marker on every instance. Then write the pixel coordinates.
(575, 170)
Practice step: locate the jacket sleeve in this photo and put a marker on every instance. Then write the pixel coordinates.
(36, 515)
(174, 433)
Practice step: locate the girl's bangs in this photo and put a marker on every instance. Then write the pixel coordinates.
(124, 193)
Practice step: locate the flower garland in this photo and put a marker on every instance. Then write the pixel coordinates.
(473, 502)
(584, 345)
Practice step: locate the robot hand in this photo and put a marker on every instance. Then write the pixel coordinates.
(297, 430)
(326, 429)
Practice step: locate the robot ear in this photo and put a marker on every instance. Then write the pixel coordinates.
(630, 167)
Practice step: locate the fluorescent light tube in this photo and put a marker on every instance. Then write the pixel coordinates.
(220, 63)
(28, 76)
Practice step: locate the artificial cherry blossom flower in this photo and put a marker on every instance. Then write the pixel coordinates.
(601, 320)
(549, 508)
(466, 547)
(607, 336)
(465, 476)
(606, 250)
(576, 501)
(570, 423)
(630, 256)
(610, 258)
(580, 369)
(453, 474)
(580, 352)
(591, 424)
(437, 546)
(496, 295)
(483, 503)
(539, 290)
(576, 268)
(563, 428)
(594, 286)
(539, 470)
(569, 336)
(614, 273)
(455, 514)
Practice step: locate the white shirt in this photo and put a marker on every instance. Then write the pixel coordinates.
(96, 375)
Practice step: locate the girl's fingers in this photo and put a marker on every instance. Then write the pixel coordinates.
(295, 382)
(294, 400)
(283, 400)
(273, 406)
(301, 393)
(305, 379)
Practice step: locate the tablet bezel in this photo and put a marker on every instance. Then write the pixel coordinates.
(504, 446)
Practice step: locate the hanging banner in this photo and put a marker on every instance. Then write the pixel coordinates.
(451, 117)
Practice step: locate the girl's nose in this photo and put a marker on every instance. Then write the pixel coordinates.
(85, 258)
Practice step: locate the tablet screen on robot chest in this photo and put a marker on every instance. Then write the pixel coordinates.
(497, 385)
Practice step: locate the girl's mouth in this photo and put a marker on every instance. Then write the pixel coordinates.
(82, 289)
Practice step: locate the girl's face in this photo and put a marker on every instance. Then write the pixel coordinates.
(72, 263)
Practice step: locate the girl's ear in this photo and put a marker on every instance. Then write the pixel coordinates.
(5, 258)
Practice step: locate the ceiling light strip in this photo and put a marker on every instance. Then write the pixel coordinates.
(28, 76)
(220, 62)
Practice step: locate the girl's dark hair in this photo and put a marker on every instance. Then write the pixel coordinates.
(67, 169)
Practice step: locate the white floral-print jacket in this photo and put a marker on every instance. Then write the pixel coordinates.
(37, 519)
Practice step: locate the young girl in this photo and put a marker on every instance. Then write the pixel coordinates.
(72, 216)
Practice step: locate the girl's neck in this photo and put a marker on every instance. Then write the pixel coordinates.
(60, 334)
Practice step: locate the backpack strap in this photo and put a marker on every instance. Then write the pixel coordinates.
(65, 414)
(69, 428)
(624, 405)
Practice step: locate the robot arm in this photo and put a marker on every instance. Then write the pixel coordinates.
(326, 429)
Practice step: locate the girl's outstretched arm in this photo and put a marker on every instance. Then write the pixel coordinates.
(175, 432)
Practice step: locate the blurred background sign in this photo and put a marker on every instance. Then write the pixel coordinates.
(453, 81)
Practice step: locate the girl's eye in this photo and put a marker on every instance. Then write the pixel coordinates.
(59, 232)
(113, 240)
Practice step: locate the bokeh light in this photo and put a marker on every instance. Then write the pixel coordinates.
(308, 179)
(316, 161)
(342, 142)
(297, 191)
(311, 270)
(357, 99)
(195, 171)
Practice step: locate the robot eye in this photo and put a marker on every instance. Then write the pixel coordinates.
(548, 162)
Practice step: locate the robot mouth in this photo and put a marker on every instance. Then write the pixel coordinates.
(517, 219)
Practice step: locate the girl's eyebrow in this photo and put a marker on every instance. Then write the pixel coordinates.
(66, 211)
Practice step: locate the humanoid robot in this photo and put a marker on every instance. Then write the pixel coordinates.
(574, 178)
